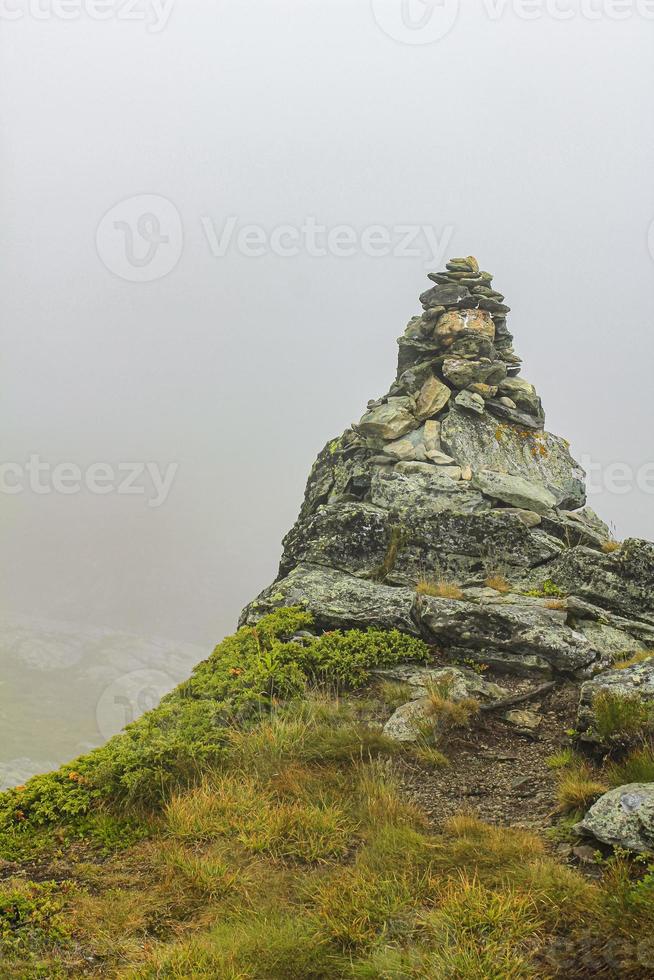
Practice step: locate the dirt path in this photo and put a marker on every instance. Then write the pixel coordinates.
(496, 771)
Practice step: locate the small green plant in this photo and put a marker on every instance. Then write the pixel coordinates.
(562, 760)
(637, 767)
(548, 589)
(395, 693)
(621, 717)
(31, 916)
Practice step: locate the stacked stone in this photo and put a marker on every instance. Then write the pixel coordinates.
(457, 355)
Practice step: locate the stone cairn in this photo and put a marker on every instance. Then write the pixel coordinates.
(450, 477)
(459, 351)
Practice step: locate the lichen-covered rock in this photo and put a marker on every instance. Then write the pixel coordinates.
(514, 490)
(516, 625)
(623, 817)
(337, 601)
(540, 457)
(622, 581)
(636, 681)
(400, 547)
(433, 396)
(388, 421)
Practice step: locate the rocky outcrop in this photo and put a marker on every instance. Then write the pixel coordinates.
(623, 817)
(451, 477)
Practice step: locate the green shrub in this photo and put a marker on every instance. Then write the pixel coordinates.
(31, 916)
(171, 746)
(619, 716)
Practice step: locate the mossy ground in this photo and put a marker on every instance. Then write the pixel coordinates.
(252, 827)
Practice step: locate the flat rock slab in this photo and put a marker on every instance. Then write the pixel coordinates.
(514, 490)
(520, 627)
(337, 600)
(623, 817)
(484, 443)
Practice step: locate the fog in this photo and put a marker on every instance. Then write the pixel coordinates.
(527, 142)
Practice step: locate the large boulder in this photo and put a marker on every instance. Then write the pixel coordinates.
(512, 626)
(400, 544)
(623, 817)
(622, 581)
(484, 443)
(337, 601)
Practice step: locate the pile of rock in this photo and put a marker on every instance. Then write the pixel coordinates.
(451, 475)
(458, 355)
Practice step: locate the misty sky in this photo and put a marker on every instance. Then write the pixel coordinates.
(529, 143)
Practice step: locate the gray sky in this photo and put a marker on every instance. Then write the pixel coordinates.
(526, 142)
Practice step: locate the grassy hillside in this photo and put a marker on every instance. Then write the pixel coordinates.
(252, 826)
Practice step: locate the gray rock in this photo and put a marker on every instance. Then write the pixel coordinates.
(337, 600)
(405, 722)
(428, 491)
(515, 416)
(462, 372)
(623, 817)
(539, 457)
(389, 421)
(523, 394)
(622, 582)
(514, 490)
(472, 403)
(445, 295)
(434, 396)
(631, 682)
(458, 684)
(528, 517)
(517, 626)
(612, 644)
(461, 682)
(523, 718)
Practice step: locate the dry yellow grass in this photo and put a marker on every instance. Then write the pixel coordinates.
(556, 604)
(610, 546)
(636, 658)
(439, 588)
(578, 789)
(498, 582)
